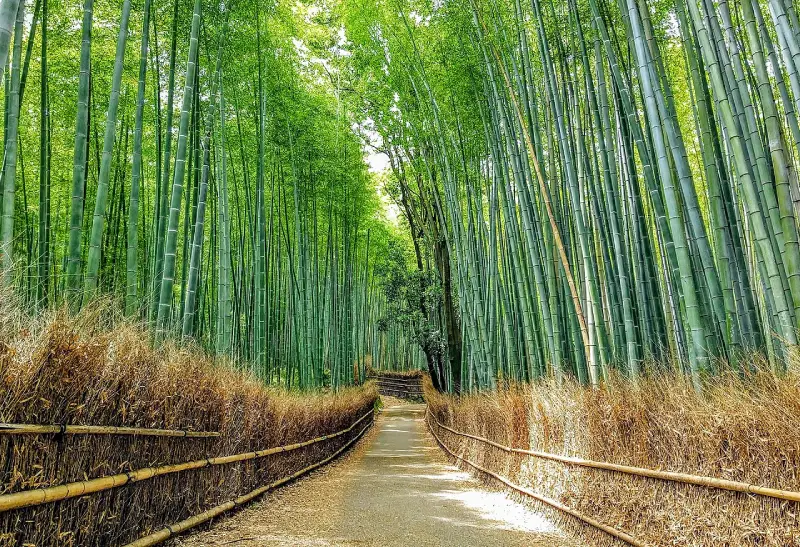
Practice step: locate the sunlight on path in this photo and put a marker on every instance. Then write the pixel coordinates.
(394, 489)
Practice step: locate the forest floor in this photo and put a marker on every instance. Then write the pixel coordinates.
(395, 488)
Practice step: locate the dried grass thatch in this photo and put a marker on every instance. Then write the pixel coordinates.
(743, 430)
(96, 370)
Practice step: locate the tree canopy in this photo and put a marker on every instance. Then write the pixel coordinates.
(579, 187)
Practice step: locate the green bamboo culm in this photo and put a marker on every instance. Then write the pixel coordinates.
(77, 202)
(43, 250)
(8, 15)
(101, 199)
(132, 257)
(224, 304)
(10, 166)
(171, 241)
(162, 202)
(199, 225)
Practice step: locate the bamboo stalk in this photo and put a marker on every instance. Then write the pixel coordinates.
(40, 496)
(545, 194)
(685, 478)
(23, 429)
(173, 529)
(622, 536)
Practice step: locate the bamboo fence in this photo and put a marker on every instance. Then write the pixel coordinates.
(398, 386)
(179, 527)
(51, 494)
(63, 429)
(685, 478)
(620, 535)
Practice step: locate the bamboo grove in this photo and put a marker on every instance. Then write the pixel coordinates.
(176, 157)
(582, 187)
(613, 182)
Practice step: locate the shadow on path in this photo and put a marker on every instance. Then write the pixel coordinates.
(394, 489)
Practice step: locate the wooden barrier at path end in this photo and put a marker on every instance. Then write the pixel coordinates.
(402, 387)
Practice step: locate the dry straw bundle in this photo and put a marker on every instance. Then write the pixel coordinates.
(95, 370)
(737, 430)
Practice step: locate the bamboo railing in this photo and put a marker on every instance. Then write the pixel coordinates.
(620, 535)
(685, 478)
(396, 386)
(179, 527)
(51, 494)
(32, 429)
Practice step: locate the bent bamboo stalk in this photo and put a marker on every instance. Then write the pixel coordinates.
(40, 496)
(622, 536)
(179, 527)
(685, 478)
(32, 429)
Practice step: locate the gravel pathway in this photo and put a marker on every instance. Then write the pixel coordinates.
(394, 489)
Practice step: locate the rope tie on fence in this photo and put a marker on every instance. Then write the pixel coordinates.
(672, 476)
(178, 527)
(64, 429)
(39, 496)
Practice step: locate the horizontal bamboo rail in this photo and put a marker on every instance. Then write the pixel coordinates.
(401, 392)
(403, 387)
(622, 536)
(415, 384)
(31, 429)
(51, 494)
(382, 378)
(685, 478)
(409, 379)
(179, 527)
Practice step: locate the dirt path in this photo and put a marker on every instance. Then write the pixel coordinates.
(394, 489)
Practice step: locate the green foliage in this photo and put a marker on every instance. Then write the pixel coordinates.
(580, 186)
(318, 227)
(612, 179)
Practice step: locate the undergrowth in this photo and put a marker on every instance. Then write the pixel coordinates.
(96, 369)
(743, 429)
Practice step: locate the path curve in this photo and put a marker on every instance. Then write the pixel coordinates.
(394, 489)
